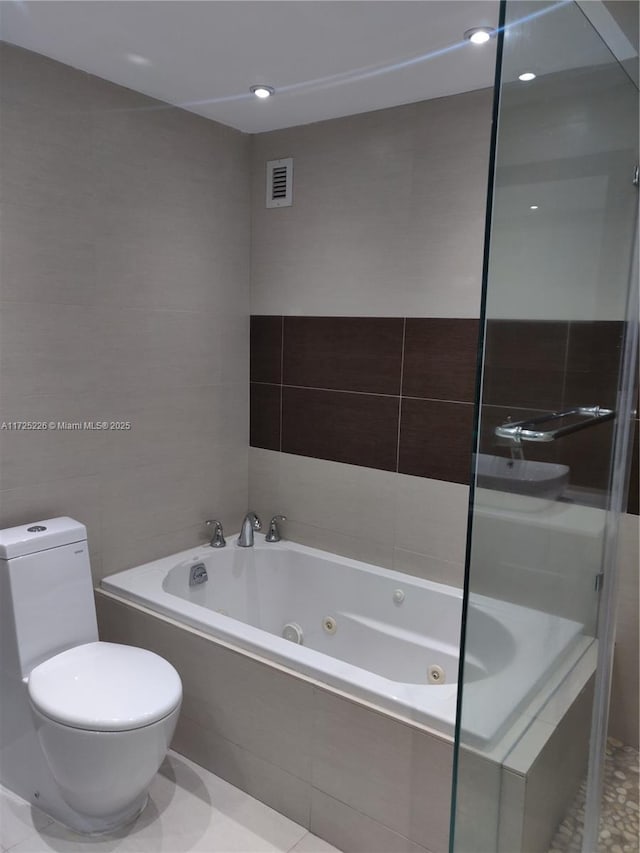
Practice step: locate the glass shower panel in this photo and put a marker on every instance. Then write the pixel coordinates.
(557, 276)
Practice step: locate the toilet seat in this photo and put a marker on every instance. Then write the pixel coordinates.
(105, 687)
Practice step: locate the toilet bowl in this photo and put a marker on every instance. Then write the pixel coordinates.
(84, 725)
(105, 715)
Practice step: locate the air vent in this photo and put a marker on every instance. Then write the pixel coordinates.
(280, 183)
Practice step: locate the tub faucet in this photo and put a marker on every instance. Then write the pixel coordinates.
(274, 532)
(251, 522)
(217, 540)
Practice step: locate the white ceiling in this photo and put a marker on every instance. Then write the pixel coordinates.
(325, 59)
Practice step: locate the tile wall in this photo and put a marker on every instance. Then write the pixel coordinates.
(387, 393)
(397, 394)
(124, 296)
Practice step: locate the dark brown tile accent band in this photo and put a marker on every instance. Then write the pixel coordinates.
(264, 415)
(525, 363)
(344, 353)
(595, 347)
(440, 358)
(435, 439)
(526, 343)
(359, 429)
(531, 367)
(593, 363)
(266, 349)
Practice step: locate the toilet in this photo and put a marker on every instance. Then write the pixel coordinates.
(84, 725)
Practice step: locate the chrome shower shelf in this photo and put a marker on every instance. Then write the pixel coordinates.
(528, 430)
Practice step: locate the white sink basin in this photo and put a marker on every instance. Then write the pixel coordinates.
(521, 476)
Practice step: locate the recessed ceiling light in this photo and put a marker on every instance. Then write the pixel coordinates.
(136, 59)
(526, 76)
(479, 35)
(262, 91)
(533, 207)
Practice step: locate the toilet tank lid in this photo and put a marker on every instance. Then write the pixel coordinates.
(39, 536)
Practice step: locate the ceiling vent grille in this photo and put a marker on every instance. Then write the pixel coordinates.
(280, 183)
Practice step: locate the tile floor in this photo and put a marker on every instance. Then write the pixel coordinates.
(620, 807)
(189, 809)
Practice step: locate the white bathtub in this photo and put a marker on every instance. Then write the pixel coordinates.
(390, 628)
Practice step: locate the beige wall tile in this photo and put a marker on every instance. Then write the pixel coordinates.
(431, 517)
(411, 524)
(394, 193)
(126, 296)
(428, 567)
(346, 499)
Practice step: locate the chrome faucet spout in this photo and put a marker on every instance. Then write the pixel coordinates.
(251, 522)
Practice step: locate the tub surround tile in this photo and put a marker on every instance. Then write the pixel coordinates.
(435, 439)
(626, 665)
(431, 777)
(440, 358)
(242, 720)
(431, 517)
(349, 739)
(352, 831)
(344, 353)
(220, 687)
(477, 803)
(360, 429)
(348, 499)
(277, 729)
(266, 349)
(633, 503)
(552, 783)
(411, 524)
(288, 794)
(427, 567)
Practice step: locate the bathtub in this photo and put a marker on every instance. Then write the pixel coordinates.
(380, 636)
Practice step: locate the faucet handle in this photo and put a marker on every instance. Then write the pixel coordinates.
(274, 533)
(217, 540)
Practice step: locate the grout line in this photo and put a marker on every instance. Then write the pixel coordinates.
(439, 400)
(377, 394)
(281, 378)
(342, 391)
(404, 334)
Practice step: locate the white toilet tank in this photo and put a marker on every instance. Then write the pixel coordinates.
(46, 590)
